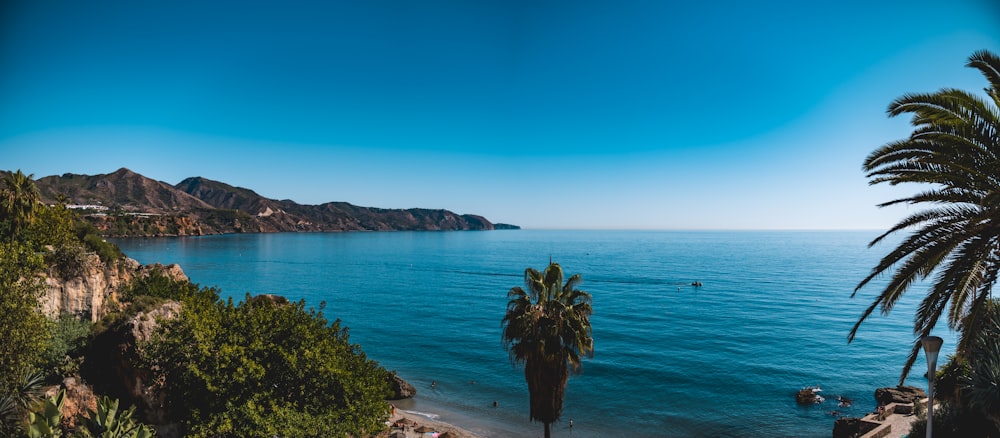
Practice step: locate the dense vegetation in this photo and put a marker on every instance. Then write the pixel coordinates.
(261, 367)
(954, 155)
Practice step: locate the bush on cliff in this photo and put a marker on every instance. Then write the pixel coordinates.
(262, 368)
(69, 337)
(70, 238)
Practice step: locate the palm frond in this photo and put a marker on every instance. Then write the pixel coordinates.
(989, 65)
(955, 149)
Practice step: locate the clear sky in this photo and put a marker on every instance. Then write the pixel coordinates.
(546, 114)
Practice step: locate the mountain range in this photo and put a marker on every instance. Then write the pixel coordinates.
(125, 203)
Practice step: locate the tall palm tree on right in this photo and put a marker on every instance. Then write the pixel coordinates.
(954, 152)
(547, 328)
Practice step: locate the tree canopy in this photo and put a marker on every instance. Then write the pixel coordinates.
(265, 367)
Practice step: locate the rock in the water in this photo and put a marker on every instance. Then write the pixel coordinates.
(400, 388)
(899, 394)
(808, 396)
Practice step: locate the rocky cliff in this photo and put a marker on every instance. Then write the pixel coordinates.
(95, 291)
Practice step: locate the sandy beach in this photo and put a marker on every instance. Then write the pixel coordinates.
(410, 425)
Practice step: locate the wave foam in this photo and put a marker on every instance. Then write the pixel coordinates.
(423, 414)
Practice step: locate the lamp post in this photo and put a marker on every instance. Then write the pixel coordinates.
(932, 345)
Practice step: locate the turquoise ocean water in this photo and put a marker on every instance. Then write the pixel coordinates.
(723, 359)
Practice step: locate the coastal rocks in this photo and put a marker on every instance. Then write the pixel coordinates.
(899, 394)
(400, 388)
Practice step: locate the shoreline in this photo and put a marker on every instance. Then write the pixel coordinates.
(408, 424)
(408, 415)
(444, 419)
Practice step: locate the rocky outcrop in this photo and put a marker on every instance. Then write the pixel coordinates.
(78, 401)
(400, 388)
(899, 394)
(94, 292)
(111, 365)
(148, 395)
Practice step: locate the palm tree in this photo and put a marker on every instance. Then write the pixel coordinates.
(547, 328)
(955, 150)
(18, 198)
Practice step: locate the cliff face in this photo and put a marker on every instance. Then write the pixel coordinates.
(93, 293)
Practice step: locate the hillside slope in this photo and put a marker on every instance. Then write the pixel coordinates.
(125, 203)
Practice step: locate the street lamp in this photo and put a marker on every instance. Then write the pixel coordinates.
(932, 345)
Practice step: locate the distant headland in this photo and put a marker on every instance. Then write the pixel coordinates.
(127, 204)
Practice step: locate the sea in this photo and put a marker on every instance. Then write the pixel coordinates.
(723, 359)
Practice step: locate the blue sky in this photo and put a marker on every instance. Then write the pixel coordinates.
(546, 114)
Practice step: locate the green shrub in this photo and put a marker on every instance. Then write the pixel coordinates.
(145, 293)
(107, 251)
(160, 286)
(263, 368)
(70, 335)
(52, 226)
(68, 260)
